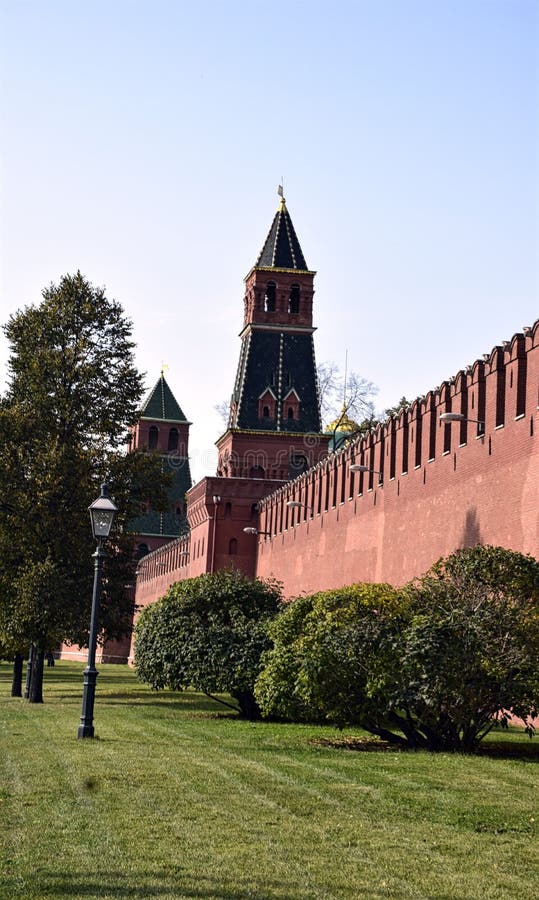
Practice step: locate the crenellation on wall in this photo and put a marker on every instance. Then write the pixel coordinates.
(430, 485)
(452, 395)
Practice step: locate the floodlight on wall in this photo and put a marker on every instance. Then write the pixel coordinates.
(251, 530)
(355, 467)
(457, 417)
(296, 504)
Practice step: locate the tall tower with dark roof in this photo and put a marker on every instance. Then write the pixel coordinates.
(276, 388)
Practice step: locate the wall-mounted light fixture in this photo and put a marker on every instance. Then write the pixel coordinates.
(296, 504)
(355, 467)
(250, 530)
(458, 417)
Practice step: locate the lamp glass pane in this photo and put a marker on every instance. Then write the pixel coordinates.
(101, 521)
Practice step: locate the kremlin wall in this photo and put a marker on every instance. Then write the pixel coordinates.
(422, 486)
(433, 487)
(316, 510)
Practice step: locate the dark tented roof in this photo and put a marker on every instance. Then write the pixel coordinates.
(290, 356)
(282, 249)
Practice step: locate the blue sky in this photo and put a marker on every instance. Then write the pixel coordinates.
(143, 142)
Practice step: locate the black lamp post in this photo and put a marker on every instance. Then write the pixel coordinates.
(102, 513)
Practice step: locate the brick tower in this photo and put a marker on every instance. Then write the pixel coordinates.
(274, 432)
(162, 428)
(274, 428)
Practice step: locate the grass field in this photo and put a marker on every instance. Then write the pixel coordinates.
(175, 799)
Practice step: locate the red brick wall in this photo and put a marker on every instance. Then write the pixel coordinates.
(465, 490)
(241, 451)
(436, 487)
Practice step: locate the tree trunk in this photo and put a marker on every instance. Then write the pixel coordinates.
(31, 654)
(16, 684)
(248, 706)
(36, 679)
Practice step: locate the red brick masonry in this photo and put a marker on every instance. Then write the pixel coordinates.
(434, 487)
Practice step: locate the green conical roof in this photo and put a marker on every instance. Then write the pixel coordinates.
(162, 404)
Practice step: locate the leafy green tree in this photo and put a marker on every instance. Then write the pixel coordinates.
(432, 666)
(470, 650)
(497, 568)
(74, 391)
(208, 633)
(397, 409)
(332, 655)
(72, 364)
(15, 655)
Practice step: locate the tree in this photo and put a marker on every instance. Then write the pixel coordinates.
(470, 649)
(208, 633)
(432, 666)
(73, 392)
(350, 395)
(397, 409)
(331, 651)
(223, 411)
(72, 363)
(16, 656)
(497, 568)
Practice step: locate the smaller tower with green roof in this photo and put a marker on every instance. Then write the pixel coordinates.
(163, 428)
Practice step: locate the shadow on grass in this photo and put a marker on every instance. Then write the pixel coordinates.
(54, 676)
(522, 749)
(50, 677)
(61, 674)
(187, 701)
(156, 884)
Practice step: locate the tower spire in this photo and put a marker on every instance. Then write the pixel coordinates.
(282, 249)
(280, 191)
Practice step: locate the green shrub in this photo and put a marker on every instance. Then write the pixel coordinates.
(434, 665)
(208, 633)
(332, 654)
(470, 651)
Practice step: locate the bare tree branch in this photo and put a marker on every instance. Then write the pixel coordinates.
(355, 399)
(223, 409)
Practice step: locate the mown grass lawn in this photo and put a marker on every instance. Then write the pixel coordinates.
(175, 799)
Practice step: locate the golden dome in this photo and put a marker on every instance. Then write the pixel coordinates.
(342, 424)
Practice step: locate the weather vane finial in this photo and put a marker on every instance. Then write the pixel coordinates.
(280, 191)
